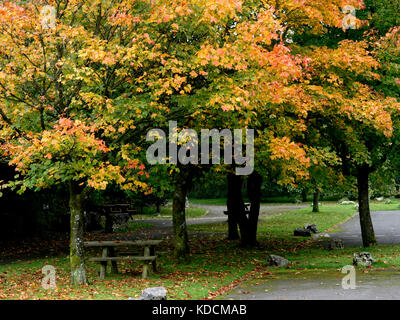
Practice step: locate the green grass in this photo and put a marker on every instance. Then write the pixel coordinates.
(279, 199)
(216, 264)
(375, 205)
(134, 226)
(283, 225)
(209, 270)
(150, 212)
(387, 256)
(222, 201)
(218, 201)
(379, 206)
(268, 200)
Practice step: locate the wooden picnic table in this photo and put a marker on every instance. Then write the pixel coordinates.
(108, 254)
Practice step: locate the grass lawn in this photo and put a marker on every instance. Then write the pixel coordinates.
(216, 264)
(270, 200)
(217, 201)
(222, 201)
(267, 201)
(379, 206)
(166, 212)
(133, 226)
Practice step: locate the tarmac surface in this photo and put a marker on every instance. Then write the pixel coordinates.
(376, 285)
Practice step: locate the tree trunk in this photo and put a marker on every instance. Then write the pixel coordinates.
(233, 233)
(77, 261)
(254, 183)
(367, 228)
(236, 206)
(316, 200)
(181, 242)
(304, 195)
(158, 208)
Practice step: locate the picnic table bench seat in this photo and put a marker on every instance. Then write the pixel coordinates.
(139, 258)
(109, 255)
(121, 243)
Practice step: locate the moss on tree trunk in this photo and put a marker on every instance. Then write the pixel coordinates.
(77, 261)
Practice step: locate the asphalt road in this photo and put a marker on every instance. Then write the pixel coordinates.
(386, 227)
(380, 285)
(376, 285)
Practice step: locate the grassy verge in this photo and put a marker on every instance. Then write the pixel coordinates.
(216, 264)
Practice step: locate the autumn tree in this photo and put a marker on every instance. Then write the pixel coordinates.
(252, 71)
(237, 65)
(65, 104)
(361, 126)
(214, 73)
(78, 99)
(324, 173)
(334, 93)
(291, 84)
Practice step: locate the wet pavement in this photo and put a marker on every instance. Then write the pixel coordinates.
(379, 285)
(386, 227)
(375, 285)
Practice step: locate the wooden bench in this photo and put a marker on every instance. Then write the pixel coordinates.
(109, 254)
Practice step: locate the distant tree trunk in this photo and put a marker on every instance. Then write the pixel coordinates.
(181, 241)
(233, 233)
(304, 195)
(237, 208)
(77, 261)
(316, 200)
(254, 183)
(158, 208)
(367, 228)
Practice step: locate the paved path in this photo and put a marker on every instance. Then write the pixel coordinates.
(327, 286)
(381, 285)
(386, 227)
